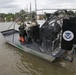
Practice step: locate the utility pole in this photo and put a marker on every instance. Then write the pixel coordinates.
(27, 13)
(36, 8)
(30, 12)
(26, 8)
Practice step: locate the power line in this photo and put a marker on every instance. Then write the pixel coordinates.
(56, 9)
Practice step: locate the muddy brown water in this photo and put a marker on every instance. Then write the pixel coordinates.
(14, 61)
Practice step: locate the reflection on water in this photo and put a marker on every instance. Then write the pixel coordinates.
(14, 61)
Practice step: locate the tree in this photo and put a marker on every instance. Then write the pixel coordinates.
(22, 12)
(9, 17)
(33, 14)
(71, 12)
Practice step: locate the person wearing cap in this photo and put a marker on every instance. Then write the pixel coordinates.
(32, 24)
(21, 32)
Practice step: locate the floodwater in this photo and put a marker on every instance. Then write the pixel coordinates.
(14, 61)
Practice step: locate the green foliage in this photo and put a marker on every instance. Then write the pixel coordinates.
(75, 14)
(33, 14)
(71, 12)
(10, 17)
(25, 16)
(22, 12)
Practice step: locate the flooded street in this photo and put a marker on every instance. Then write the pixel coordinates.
(14, 61)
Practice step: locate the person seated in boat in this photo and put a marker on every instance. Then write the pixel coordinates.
(22, 32)
(33, 29)
(32, 24)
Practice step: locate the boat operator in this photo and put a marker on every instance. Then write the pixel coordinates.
(32, 30)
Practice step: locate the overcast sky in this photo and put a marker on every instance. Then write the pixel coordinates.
(12, 6)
